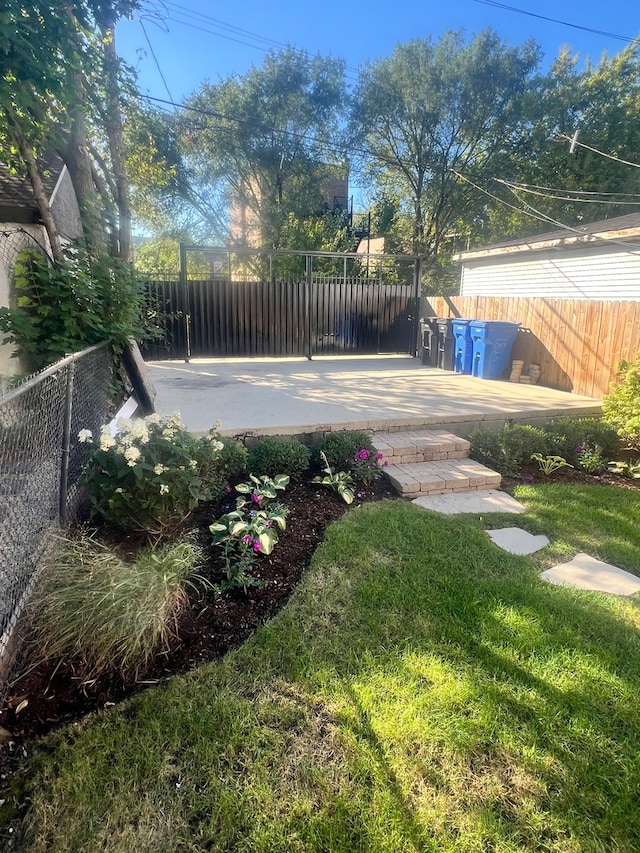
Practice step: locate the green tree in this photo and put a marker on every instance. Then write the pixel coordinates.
(432, 109)
(60, 87)
(602, 103)
(263, 144)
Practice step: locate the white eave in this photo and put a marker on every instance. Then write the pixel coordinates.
(536, 245)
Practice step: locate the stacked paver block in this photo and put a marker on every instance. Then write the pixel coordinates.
(431, 462)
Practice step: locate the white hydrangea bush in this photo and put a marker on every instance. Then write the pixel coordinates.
(151, 473)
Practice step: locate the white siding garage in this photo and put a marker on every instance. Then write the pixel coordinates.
(601, 262)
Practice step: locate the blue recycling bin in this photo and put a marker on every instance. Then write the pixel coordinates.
(492, 343)
(463, 347)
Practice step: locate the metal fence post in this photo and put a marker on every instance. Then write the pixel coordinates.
(185, 301)
(309, 301)
(66, 444)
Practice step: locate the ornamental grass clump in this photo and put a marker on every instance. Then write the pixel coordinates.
(151, 474)
(105, 613)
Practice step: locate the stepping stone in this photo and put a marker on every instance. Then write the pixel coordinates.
(480, 502)
(585, 572)
(517, 541)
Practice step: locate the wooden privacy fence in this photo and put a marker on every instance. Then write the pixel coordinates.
(578, 343)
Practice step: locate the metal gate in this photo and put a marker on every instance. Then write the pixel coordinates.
(325, 303)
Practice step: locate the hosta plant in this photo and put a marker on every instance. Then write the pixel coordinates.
(251, 529)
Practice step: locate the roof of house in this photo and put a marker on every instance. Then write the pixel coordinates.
(619, 228)
(17, 202)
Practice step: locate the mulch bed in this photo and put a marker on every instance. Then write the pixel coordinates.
(213, 623)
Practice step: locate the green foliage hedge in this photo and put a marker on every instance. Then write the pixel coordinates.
(274, 455)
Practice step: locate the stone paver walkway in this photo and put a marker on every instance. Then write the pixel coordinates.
(488, 500)
(517, 541)
(585, 572)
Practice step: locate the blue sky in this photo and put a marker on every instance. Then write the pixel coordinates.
(189, 41)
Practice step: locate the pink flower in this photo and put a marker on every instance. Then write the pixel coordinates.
(378, 456)
(363, 455)
(247, 539)
(255, 497)
(256, 546)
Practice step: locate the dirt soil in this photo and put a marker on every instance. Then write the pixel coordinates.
(212, 624)
(52, 694)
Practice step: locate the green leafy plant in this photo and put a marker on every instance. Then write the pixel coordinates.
(272, 455)
(506, 450)
(340, 481)
(625, 469)
(263, 487)
(366, 466)
(549, 464)
(106, 613)
(568, 436)
(340, 448)
(590, 458)
(82, 300)
(151, 474)
(621, 407)
(251, 529)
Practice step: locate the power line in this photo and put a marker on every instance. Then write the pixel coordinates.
(548, 192)
(507, 8)
(155, 59)
(574, 141)
(542, 217)
(234, 34)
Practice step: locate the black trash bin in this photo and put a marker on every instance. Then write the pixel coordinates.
(429, 341)
(446, 343)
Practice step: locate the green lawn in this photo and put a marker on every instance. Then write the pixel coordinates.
(423, 691)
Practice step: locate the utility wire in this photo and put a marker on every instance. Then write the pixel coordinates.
(532, 212)
(574, 141)
(579, 231)
(239, 34)
(507, 8)
(573, 198)
(155, 59)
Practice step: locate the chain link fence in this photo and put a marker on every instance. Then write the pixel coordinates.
(40, 464)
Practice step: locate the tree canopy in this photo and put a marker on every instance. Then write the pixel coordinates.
(60, 87)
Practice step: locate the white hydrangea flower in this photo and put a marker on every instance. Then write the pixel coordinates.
(160, 469)
(193, 464)
(164, 489)
(153, 420)
(107, 441)
(168, 432)
(85, 435)
(132, 454)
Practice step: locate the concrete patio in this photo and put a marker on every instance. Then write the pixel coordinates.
(297, 396)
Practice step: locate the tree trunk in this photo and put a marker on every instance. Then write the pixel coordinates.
(113, 126)
(26, 152)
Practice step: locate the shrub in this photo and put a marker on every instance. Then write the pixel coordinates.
(229, 465)
(340, 448)
(507, 449)
(570, 437)
(521, 441)
(273, 455)
(151, 474)
(83, 299)
(621, 406)
(485, 447)
(106, 613)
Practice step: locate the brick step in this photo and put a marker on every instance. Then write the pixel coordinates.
(419, 479)
(399, 448)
